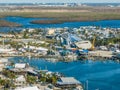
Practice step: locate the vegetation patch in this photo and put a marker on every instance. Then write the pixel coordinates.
(4, 23)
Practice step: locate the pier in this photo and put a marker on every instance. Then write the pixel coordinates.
(107, 54)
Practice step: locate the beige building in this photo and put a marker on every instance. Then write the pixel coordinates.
(51, 31)
(84, 44)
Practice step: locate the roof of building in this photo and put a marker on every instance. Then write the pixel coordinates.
(20, 65)
(84, 44)
(37, 48)
(3, 60)
(68, 80)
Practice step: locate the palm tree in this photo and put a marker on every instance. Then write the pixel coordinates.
(43, 77)
(25, 34)
(31, 79)
(54, 79)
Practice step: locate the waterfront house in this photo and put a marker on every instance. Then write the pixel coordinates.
(68, 82)
(21, 65)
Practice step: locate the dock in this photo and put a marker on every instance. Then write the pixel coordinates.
(107, 54)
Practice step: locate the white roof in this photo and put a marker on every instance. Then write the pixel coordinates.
(69, 80)
(20, 65)
(4, 60)
(84, 44)
(28, 88)
(37, 48)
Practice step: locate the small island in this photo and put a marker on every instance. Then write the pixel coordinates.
(55, 21)
(4, 23)
(60, 21)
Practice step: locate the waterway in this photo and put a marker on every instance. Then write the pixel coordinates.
(104, 75)
(25, 22)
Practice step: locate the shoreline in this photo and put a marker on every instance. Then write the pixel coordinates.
(53, 58)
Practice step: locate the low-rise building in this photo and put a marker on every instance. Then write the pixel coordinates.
(83, 44)
(68, 82)
(21, 65)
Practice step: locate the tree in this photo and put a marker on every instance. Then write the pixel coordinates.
(7, 84)
(43, 77)
(54, 79)
(25, 34)
(31, 79)
(9, 74)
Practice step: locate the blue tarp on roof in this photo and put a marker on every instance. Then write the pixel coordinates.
(84, 51)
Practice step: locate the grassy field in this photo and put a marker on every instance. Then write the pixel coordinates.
(69, 14)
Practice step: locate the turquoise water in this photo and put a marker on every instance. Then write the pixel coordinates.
(104, 75)
(25, 22)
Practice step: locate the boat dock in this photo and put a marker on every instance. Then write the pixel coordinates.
(107, 54)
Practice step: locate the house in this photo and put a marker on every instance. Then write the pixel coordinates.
(21, 65)
(23, 69)
(20, 81)
(51, 31)
(68, 82)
